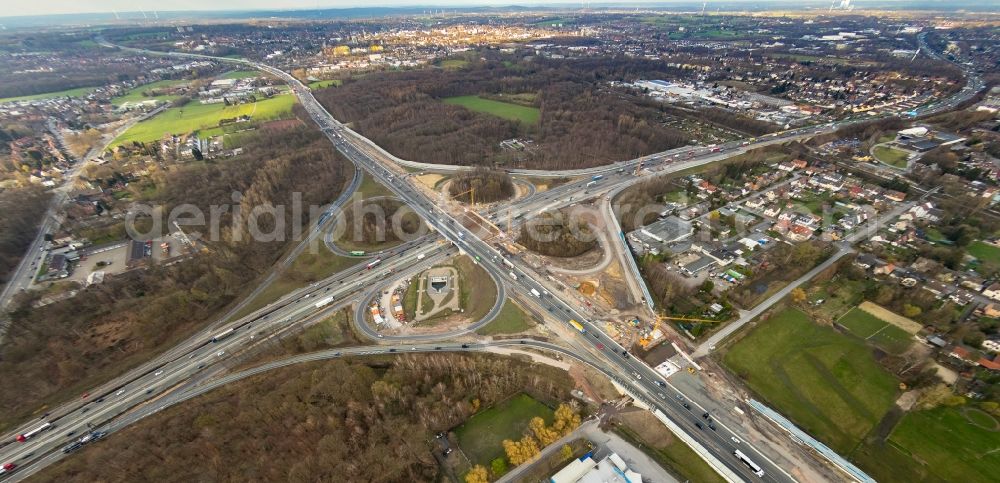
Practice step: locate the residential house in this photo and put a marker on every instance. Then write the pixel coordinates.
(993, 291)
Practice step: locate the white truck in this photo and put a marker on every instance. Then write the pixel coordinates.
(536, 293)
(513, 276)
(323, 301)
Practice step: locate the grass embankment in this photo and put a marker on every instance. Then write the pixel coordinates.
(513, 112)
(307, 268)
(644, 431)
(829, 384)
(941, 444)
(510, 320)
(78, 92)
(481, 437)
(195, 117)
(472, 279)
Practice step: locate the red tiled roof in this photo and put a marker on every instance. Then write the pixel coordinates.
(991, 365)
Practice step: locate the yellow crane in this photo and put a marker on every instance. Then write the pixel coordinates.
(471, 193)
(644, 341)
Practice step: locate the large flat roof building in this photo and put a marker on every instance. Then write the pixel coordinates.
(611, 469)
(655, 236)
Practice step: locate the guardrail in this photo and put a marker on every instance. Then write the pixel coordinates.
(803, 437)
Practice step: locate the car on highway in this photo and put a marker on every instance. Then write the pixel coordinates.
(700, 426)
(120, 392)
(600, 346)
(7, 468)
(660, 383)
(220, 353)
(735, 439)
(157, 373)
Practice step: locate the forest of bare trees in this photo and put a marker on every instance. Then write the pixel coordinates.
(582, 123)
(371, 221)
(487, 185)
(22, 211)
(556, 234)
(55, 350)
(343, 420)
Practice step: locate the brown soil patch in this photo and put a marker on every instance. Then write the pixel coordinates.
(587, 288)
(648, 428)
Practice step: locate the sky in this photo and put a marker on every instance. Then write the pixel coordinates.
(12, 8)
(48, 7)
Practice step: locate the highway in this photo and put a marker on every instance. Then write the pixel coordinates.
(196, 356)
(199, 355)
(639, 378)
(188, 392)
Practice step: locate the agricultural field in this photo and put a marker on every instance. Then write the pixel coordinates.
(134, 95)
(78, 92)
(880, 333)
(891, 156)
(194, 117)
(828, 383)
(984, 252)
(514, 112)
(481, 437)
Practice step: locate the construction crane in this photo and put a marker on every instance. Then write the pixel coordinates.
(645, 340)
(471, 193)
(692, 319)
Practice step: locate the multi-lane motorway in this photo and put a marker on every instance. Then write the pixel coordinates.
(145, 387)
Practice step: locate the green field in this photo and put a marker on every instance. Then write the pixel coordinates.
(241, 74)
(829, 384)
(135, 94)
(194, 117)
(891, 156)
(940, 444)
(510, 320)
(78, 92)
(513, 112)
(453, 64)
(984, 252)
(886, 336)
(481, 437)
(325, 83)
